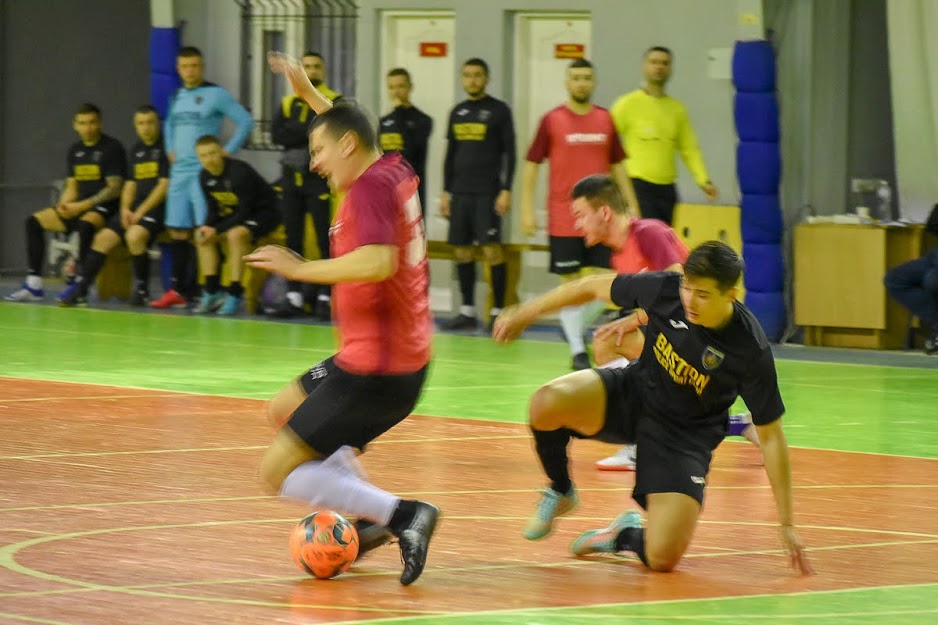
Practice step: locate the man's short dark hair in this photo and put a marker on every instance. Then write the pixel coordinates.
(207, 140)
(716, 260)
(348, 115)
(477, 62)
(658, 49)
(314, 53)
(87, 108)
(188, 51)
(578, 63)
(399, 71)
(600, 190)
(146, 109)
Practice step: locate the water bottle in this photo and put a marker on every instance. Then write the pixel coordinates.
(884, 194)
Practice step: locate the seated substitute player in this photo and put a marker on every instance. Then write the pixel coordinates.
(382, 311)
(242, 208)
(96, 168)
(704, 350)
(141, 215)
(638, 245)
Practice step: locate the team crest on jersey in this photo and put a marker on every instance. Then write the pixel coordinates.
(712, 358)
(198, 99)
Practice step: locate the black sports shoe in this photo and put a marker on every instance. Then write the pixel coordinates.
(460, 322)
(581, 361)
(283, 310)
(139, 298)
(415, 540)
(371, 536)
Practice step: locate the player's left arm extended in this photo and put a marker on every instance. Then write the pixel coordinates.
(778, 468)
(369, 263)
(111, 190)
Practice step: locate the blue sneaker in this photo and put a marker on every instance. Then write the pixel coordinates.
(604, 540)
(73, 296)
(551, 506)
(230, 306)
(25, 294)
(209, 303)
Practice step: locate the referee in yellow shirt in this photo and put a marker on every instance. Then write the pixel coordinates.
(653, 126)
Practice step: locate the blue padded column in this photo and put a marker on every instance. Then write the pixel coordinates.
(164, 81)
(759, 169)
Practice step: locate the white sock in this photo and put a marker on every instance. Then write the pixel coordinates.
(330, 484)
(323, 297)
(34, 282)
(295, 298)
(467, 311)
(571, 319)
(618, 363)
(591, 311)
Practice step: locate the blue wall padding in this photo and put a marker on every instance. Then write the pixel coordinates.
(763, 223)
(759, 167)
(754, 67)
(756, 116)
(164, 81)
(765, 267)
(759, 170)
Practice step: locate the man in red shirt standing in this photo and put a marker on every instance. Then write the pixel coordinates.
(381, 306)
(638, 245)
(579, 139)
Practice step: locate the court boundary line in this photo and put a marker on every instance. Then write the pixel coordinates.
(425, 415)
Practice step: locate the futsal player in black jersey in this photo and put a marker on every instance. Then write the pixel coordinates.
(97, 166)
(242, 208)
(140, 220)
(477, 173)
(406, 129)
(702, 350)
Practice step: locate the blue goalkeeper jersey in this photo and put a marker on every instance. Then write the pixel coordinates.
(199, 111)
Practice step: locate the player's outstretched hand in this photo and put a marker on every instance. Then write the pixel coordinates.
(509, 325)
(797, 556)
(292, 68)
(275, 259)
(620, 327)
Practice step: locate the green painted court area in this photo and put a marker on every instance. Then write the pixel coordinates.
(843, 406)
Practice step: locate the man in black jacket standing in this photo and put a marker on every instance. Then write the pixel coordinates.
(406, 129)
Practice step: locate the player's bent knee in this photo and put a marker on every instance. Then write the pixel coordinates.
(544, 411)
(662, 560)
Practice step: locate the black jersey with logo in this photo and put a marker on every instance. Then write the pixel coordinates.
(91, 165)
(148, 163)
(691, 375)
(236, 195)
(480, 149)
(407, 130)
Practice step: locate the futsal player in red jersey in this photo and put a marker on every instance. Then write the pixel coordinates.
(382, 312)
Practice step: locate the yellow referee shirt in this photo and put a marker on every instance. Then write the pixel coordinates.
(652, 130)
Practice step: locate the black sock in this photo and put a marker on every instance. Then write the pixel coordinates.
(235, 288)
(552, 451)
(212, 285)
(35, 245)
(86, 231)
(403, 515)
(467, 282)
(180, 255)
(141, 267)
(90, 269)
(499, 284)
(632, 539)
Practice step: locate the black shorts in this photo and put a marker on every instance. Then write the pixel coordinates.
(656, 201)
(342, 408)
(659, 466)
(152, 222)
(260, 227)
(473, 220)
(570, 254)
(72, 224)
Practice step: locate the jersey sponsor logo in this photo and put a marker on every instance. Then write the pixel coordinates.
(143, 171)
(84, 173)
(470, 131)
(212, 182)
(586, 137)
(227, 202)
(462, 112)
(79, 153)
(388, 122)
(140, 153)
(392, 141)
(677, 325)
(318, 371)
(681, 371)
(712, 358)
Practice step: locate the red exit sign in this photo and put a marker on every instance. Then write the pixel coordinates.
(432, 48)
(569, 51)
